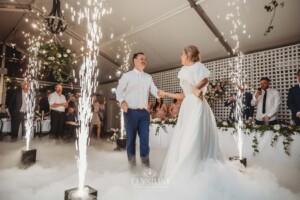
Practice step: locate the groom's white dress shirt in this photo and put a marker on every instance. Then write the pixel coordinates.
(134, 87)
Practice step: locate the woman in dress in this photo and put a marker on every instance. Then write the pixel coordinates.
(96, 121)
(160, 109)
(175, 107)
(195, 137)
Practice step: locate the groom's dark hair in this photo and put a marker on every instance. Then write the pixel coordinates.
(136, 55)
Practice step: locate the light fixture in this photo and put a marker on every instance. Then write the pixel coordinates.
(55, 21)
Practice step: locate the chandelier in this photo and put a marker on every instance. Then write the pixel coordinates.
(55, 21)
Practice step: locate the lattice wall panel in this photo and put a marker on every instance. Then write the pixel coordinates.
(280, 65)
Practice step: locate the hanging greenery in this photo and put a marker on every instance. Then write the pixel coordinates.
(271, 7)
(59, 59)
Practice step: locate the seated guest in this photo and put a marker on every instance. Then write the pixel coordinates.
(247, 108)
(267, 101)
(293, 101)
(175, 107)
(160, 109)
(70, 129)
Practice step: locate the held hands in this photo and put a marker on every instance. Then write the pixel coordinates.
(161, 93)
(298, 115)
(124, 106)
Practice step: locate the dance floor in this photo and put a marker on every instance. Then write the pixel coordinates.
(108, 172)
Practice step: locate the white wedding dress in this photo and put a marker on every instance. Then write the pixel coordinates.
(195, 138)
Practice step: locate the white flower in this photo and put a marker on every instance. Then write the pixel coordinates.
(68, 51)
(65, 55)
(225, 124)
(43, 52)
(58, 55)
(162, 122)
(276, 127)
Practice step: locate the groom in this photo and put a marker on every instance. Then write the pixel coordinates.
(132, 94)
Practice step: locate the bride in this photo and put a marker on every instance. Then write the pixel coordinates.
(195, 138)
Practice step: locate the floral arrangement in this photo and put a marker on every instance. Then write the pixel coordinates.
(279, 130)
(59, 58)
(162, 124)
(282, 129)
(215, 91)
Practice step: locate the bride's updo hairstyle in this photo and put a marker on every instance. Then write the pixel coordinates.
(193, 53)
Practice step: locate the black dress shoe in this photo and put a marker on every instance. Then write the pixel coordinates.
(132, 161)
(145, 162)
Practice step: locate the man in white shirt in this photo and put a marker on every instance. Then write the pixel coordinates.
(293, 101)
(58, 104)
(267, 101)
(132, 94)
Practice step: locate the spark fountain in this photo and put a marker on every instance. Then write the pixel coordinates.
(238, 81)
(121, 142)
(92, 13)
(29, 155)
(238, 77)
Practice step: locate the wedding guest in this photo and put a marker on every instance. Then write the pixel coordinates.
(43, 104)
(96, 120)
(102, 112)
(17, 109)
(267, 101)
(150, 108)
(58, 104)
(160, 109)
(247, 108)
(175, 107)
(293, 101)
(133, 94)
(70, 128)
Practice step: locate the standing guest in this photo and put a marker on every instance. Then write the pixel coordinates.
(70, 128)
(267, 101)
(58, 104)
(102, 112)
(17, 109)
(133, 94)
(44, 104)
(293, 101)
(160, 109)
(96, 120)
(231, 101)
(247, 108)
(175, 107)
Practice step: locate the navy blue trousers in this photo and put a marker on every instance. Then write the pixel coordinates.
(137, 122)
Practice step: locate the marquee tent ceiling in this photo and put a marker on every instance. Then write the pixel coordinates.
(160, 28)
